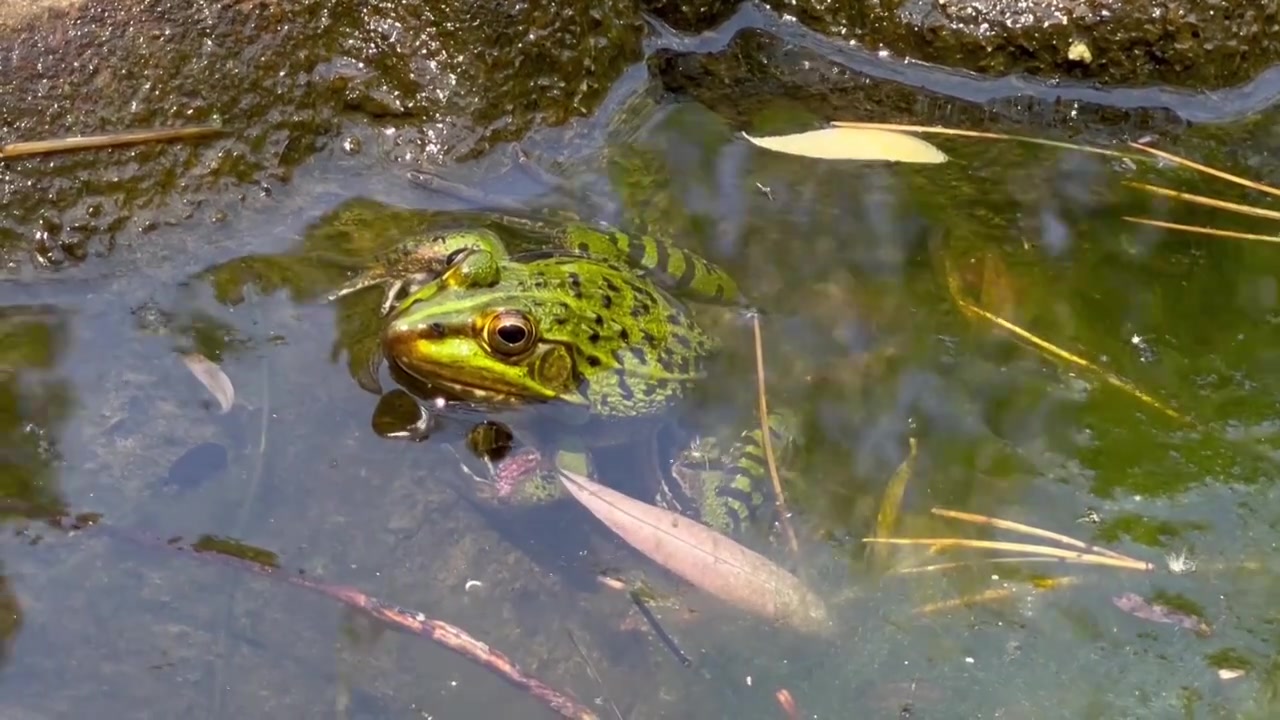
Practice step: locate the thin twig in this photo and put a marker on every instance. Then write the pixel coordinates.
(403, 619)
(1028, 530)
(94, 142)
(766, 440)
(591, 670)
(1018, 547)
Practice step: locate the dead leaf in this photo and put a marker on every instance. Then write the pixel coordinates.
(703, 557)
(846, 143)
(1135, 605)
(212, 377)
(887, 518)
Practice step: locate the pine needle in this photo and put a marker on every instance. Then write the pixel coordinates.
(988, 135)
(1200, 230)
(993, 595)
(1178, 160)
(981, 561)
(1028, 530)
(1207, 201)
(1061, 354)
(766, 441)
(1042, 550)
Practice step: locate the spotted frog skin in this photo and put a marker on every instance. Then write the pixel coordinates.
(408, 266)
(593, 336)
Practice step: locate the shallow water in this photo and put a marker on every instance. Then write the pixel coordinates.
(864, 339)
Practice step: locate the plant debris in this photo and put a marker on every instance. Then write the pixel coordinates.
(853, 143)
(213, 378)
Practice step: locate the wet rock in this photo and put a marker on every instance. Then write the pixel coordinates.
(760, 77)
(394, 80)
(1186, 43)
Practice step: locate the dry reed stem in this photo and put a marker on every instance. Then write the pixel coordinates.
(95, 142)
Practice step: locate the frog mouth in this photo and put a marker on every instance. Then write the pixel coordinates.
(469, 385)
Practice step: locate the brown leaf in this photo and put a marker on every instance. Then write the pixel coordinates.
(703, 557)
(1133, 604)
(212, 377)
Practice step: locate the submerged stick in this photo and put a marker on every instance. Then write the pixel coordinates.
(767, 442)
(95, 142)
(399, 618)
(666, 639)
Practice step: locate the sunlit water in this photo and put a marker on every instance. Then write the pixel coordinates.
(855, 266)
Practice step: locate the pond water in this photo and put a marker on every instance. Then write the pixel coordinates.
(1159, 443)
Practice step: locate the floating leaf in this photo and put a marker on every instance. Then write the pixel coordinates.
(703, 557)
(212, 377)
(1133, 604)
(846, 143)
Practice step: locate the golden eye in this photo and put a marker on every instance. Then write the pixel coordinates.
(510, 333)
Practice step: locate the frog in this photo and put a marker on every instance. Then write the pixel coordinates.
(413, 262)
(596, 338)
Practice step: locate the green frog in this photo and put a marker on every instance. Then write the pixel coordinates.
(593, 339)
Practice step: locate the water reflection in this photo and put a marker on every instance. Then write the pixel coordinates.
(35, 402)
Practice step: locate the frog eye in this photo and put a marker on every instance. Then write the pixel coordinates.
(510, 333)
(454, 256)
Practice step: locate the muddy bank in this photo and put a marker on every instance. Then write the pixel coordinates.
(289, 79)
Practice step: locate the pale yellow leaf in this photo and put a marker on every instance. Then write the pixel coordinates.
(846, 143)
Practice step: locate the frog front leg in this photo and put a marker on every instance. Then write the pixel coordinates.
(530, 477)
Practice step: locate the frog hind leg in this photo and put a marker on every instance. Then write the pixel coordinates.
(734, 488)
